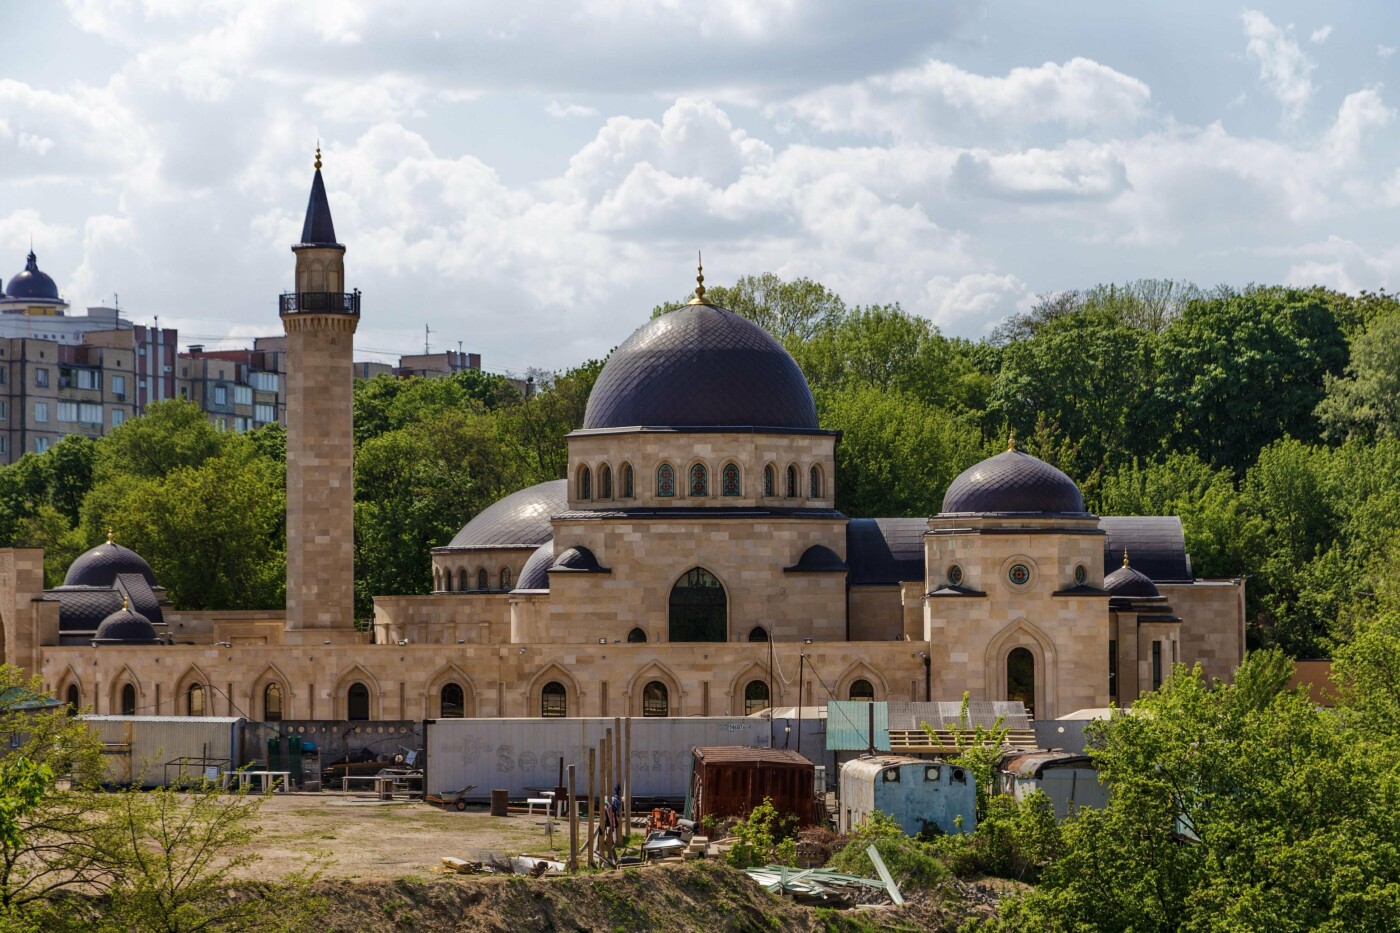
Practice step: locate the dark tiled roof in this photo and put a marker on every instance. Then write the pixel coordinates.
(521, 519)
(577, 560)
(1130, 582)
(700, 366)
(1156, 545)
(83, 609)
(949, 589)
(101, 565)
(1013, 482)
(126, 626)
(534, 576)
(143, 598)
(885, 551)
(818, 559)
(318, 230)
(1080, 589)
(745, 512)
(31, 283)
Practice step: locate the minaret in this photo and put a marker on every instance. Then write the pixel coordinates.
(320, 319)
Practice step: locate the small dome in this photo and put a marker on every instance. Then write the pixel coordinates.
(701, 366)
(521, 519)
(1131, 583)
(577, 560)
(1013, 482)
(534, 576)
(128, 627)
(818, 559)
(31, 283)
(100, 566)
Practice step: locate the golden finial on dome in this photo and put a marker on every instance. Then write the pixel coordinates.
(1011, 440)
(1125, 557)
(699, 298)
(126, 602)
(109, 535)
(318, 156)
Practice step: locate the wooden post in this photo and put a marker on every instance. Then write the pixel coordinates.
(592, 801)
(617, 773)
(627, 773)
(608, 776)
(573, 823)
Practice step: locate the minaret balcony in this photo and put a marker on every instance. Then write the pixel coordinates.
(320, 303)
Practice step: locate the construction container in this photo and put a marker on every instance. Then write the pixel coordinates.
(732, 780)
(1069, 780)
(921, 795)
(523, 755)
(154, 751)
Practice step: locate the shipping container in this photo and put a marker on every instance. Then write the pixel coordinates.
(523, 755)
(154, 751)
(919, 794)
(731, 780)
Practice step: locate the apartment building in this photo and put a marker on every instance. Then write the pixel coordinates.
(239, 389)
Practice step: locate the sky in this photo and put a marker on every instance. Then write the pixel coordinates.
(526, 180)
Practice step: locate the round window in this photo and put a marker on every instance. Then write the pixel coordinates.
(955, 575)
(1080, 574)
(1019, 574)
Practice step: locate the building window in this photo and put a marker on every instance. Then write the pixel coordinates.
(118, 417)
(729, 480)
(505, 578)
(554, 701)
(1156, 665)
(461, 580)
(41, 377)
(699, 481)
(4, 408)
(220, 395)
(263, 382)
(755, 697)
(699, 608)
(665, 481)
(758, 633)
(357, 703)
(89, 413)
(769, 481)
(483, 582)
(1113, 667)
(955, 575)
(1080, 574)
(4, 444)
(129, 700)
(627, 481)
(605, 482)
(656, 701)
(67, 412)
(41, 412)
(272, 703)
(636, 636)
(452, 702)
(194, 701)
(1019, 574)
(585, 483)
(73, 698)
(792, 482)
(1020, 677)
(265, 413)
(815, 481)
(862, 690)
(89, 379)
(242, 395)
(41, 444)
(119, 386)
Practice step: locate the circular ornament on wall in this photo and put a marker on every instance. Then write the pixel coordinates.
(955, 575)
(1080, 574)
(1019, 574)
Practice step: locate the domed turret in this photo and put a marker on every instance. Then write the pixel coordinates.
(1128, 583)
(31, 283)
(126, 627)
(1013, 482)
(101, 565)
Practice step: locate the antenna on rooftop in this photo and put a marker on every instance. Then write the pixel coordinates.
(426, 332)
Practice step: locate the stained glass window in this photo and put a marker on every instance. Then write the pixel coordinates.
(770, 482)
(1080, 574)
(729, 480)
(627, 481)
(955, 575)
(792, 482)
(1019, 574)
(585, 483)
(816, 482)
(665, 481)
(699, 480)
(605, 482)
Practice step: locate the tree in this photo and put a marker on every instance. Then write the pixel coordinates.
(1365, 402)
(791, 311)
(171, 434)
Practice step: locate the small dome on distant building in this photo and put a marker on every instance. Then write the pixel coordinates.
(534, 576)
(1013, 482)
(1127, 582)
(101, 565)
(31, 283)
(126, 627)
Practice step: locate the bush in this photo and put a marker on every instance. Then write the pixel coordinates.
(765, 836)
(1015, 839)
(912, 864)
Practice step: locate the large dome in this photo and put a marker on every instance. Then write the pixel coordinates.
(1013, 482)
(101, 565)
(701, 366)
(31, 283)
(521, 519)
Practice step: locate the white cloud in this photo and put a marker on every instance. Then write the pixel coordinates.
(1282, 65)
(1320, 34)
(556, 109)
(1385, 51)
(1343, 264)
(978, 298)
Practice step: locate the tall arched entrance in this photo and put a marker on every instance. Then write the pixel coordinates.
(1020, 677)
(699, 608)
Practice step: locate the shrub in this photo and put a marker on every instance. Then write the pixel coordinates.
(912, 864)
(1015, 839)
(765, 836)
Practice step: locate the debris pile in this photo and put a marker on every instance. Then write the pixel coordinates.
(820, 887)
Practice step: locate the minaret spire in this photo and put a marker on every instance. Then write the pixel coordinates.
(318, 229)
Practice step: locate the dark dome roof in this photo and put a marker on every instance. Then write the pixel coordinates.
(1013, 482)
(100, 566)
(521, 519)
(535, 574)
(818, 559)
(578, 560)
(701, 366)
(128, 626)
(31, 283)
(1130, 582)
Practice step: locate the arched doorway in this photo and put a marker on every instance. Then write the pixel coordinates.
(656, 700)
(862, 690)
(1020, 677)
(453, 701)
(357, 702)
(755, 697)
(699, 608)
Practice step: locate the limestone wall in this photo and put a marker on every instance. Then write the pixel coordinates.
(1212, 624)
(460, 570)
(876, 613)
(443, 618)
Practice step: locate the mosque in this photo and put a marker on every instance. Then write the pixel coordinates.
(692, 562)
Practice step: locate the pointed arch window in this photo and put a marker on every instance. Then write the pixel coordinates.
(357, 702)
(815, 481)
(699, 480)
(699, 608)
(483, 580)
(755, 697)
(627, 481)
(758, 633)
(73, 698)
(665, 481)
(554, 701)
(1020, 677)
(636, 636)
(605, 482)
(862, 690)
(272, 703)
(452, 702)
(194, 700)
(729, 480)
(792, 482)
(770, 481)
(656, 700)
(129, 700)
(505, 578)
(461, 580)
(585, 483)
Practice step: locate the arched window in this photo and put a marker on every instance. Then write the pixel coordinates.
(627, 481)
(272, 703)
(815, 481)
(792, 482)
(656, 700)
(1020, 677)
(357, 702)
(755, 697)
(129, 700)
(862, 690)
(461, 580)
(636, 636)
(194, 701)
(698, 608)
(585, 483)
(554, 701)
(699, 480)
(605, 482)
(453, 702)
(729, 480)
(665, 481)
(758, 633)
(483, 579)
(505, 578)
(73, 698)
(770, 481)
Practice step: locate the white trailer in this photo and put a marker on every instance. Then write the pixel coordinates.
(155, 750)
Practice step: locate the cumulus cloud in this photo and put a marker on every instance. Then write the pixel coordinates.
(1283, 67)
(1320, 34)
